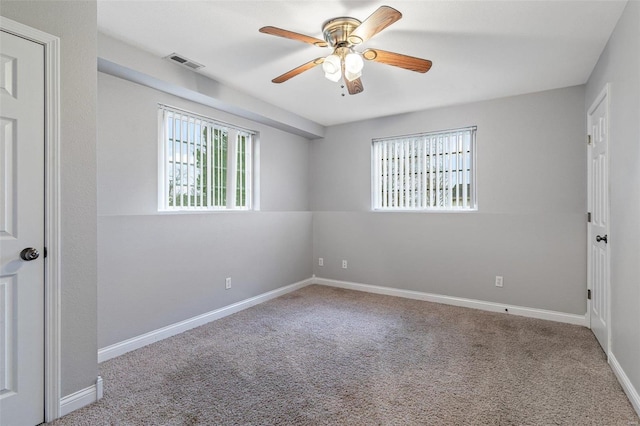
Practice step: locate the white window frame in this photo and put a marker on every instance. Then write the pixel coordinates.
(399, 181)
(201, 202)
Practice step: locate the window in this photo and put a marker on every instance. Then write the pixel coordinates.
(204, 164)
(429, 171)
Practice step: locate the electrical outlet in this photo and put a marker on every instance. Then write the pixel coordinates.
(499, 281)
(227, 283)
(320, 261)
(344, 264)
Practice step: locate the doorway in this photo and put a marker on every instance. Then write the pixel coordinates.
(47, 244)
(598, 226)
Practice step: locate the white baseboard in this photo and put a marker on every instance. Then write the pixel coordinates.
(93, 393)
(458, 301)
(627, 386)
(137, 342)
(81, 398)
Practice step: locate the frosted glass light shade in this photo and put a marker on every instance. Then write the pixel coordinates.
(331, 64)
(352, 75)
(333, 76)
(353, 63)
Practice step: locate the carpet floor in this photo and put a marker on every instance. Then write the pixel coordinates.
(328, 356)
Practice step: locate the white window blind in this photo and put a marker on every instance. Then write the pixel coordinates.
(204, 164)
(428, 171)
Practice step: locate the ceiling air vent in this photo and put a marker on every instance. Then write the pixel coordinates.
(185, 62)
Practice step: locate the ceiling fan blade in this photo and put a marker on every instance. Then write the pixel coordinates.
(396, 59)
(293, 36)
(302, 68)
(354, 87)
(378, 21)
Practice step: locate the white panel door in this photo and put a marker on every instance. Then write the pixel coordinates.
(21, 227)
(598, 198)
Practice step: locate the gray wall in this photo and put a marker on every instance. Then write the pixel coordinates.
(619, 65)
(530, 226)
(75, 24)
(156, 269)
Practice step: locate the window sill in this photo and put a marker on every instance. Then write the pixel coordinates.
(424, 210)
(205, 211)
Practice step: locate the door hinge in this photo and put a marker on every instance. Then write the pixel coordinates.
(588, 139)
(589, 294)
(44, 252)
(589, 217)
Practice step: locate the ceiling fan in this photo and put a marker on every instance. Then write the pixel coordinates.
(343, 35)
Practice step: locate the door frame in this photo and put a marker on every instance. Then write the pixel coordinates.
(52, 261)
(605, 94)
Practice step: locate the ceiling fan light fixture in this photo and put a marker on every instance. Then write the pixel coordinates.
(331, 64)
(352, 75)
(353, 63)
(335, 77)
(343, 34)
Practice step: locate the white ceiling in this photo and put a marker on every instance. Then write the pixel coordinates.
(480, 49)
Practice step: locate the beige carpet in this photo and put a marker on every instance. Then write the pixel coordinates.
(323, 355)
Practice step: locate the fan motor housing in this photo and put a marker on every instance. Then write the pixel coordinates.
(337, 30)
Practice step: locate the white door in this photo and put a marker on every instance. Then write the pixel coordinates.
(598, 229)
(21, 227)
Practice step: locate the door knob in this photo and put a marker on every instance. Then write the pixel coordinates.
(29, 254)
(599, 238)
